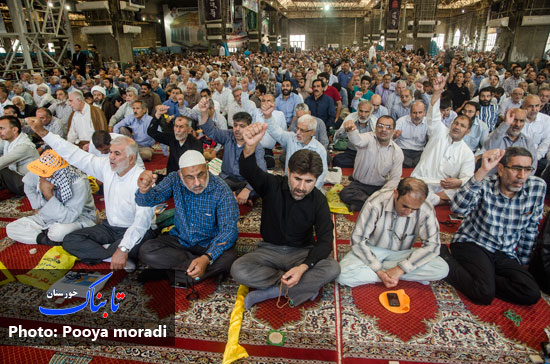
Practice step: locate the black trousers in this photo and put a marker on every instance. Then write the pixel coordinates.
(411, 157)
(356, 193)
(345, 160)
(165, 252)
(482, 276)
(269, 159)
(12, 181)
(87, 244)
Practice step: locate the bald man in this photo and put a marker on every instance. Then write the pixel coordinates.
(201, 243)
(514, 101)
(411, 134)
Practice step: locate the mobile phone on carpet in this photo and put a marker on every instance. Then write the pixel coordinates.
(393, 300)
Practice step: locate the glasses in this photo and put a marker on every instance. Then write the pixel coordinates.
(520, 168)
(298, 129)
(384, 126)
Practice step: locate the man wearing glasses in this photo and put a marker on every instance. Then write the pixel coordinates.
(490, 252)
(378, 163)
(386, 229)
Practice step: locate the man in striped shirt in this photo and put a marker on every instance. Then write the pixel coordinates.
(386, 229)
(491, 250)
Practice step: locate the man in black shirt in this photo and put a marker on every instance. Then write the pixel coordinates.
(180, 140)
(458, 92)
(289, 261)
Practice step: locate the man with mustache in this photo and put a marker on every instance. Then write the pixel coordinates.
(286, 102)
(490, 252)
(201, 244)
(509, 134)
(289, 262)
(135, 126)
(446, 162)
(488, 113)
(536, 128)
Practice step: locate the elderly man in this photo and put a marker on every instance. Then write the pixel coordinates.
(383, 238)
(125, 109)
(62, 196)
(302, 139)
(84, 120)
(61, 108)
(37, 81)
(514, 101)
(222, 95)
(100, 145)
(489, 253)
(42, 96)
(378, 109)
(25, 110)
(119, 236)
(135, 127)
(101, 101)
(536, 128)
(180, 140)
(385, 89)
(509, 134)
(403, 107)
(411, 134)
(364, 123)
(292, 208)
(233, 144)
(192, 95)
(320, 131)
(19, 90)
(16, 152)
(201, 244)
(378, 164)
(50, 123)
(446, 162)
(239, 104)
(4, 100)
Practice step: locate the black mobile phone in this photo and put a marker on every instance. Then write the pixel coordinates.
(393, 300)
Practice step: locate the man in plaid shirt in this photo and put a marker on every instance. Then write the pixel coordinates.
(490, 252)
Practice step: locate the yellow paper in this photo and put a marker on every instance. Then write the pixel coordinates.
(8, 277)
(53, 265)
(334, 203)
(234, 351)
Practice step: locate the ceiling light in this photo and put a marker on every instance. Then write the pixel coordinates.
(143, 18)
(463, 11)
(50, 4)
(68, 7)
(327, 7)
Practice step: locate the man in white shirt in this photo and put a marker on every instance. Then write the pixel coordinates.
(4, 101)
(537, 128)
(127, 225)
(411, 134)
(222, 95)
(513, 102)
(100, 145)
(84, 120)
(16, 152)
(61, 109)
(447, 162)
(62, 196)
(237, 104)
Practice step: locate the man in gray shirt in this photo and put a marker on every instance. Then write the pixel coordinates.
(387, 227)
(16, 152)
(378, 163)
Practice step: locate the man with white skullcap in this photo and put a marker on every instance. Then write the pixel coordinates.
(102, 102)
(201, 243)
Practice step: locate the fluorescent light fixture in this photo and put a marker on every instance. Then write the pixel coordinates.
(327, 7)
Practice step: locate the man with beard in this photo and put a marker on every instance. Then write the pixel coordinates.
(489, 253)
(286, 102)
(201, 244)
(102, 102)
(364, 123)
(289, 262)
(537, 129)
(509, 134)
(488, 112)
(233, 144)
(321, 105)
(513, 81)
(117, 238)
(539, 83)
(403, 107)
(378, 163)
(459, 93)
(446, 162)
(149, 98)
(135, 126)
(544, 95)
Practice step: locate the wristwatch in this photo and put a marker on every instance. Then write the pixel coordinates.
(124, 249)
(210, 258)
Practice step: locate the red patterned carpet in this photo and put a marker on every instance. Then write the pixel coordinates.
(341, 325)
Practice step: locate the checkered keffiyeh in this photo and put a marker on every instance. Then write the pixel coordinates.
(63, 179)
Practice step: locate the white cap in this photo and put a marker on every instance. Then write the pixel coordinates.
(98, 89)
(191, 158)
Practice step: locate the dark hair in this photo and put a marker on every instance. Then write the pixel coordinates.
(48, 112)
(512, 152)
(242, 116)
(386, 117)
(118, 98)
(446, 102)
(470, 120)
(486, 89)
(261, 88)
(14, 122)
(306, 161)
(101, 138)
(318, 80)
(499, 90)
(66, 78)
(412, 185)
(366, 78)
(110, 79)
(474, 104)
(88, 95)
(14, 108)
(4, 89)
(147, 85)
(207, 90)
(324, 75)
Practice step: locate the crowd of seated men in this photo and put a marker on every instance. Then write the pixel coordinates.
(475, 134)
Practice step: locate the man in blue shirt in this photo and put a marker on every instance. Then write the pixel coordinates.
(172, 101)
(345, 75)
(233, 144)
(491, 250)
(135, 126)
(201, 243)
(287, 101)
(155, 85)
(321, 105)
